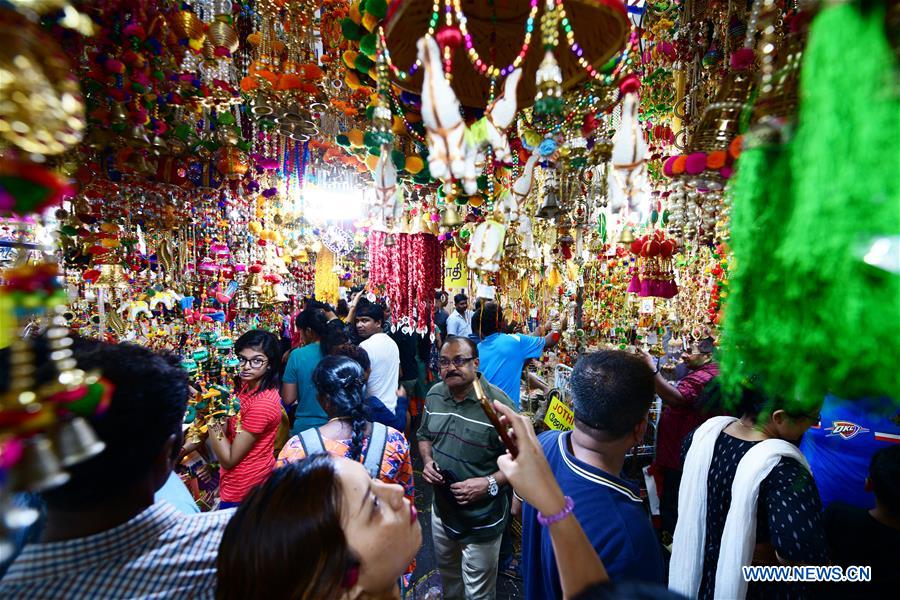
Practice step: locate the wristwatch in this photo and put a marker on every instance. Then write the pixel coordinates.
(493, 488)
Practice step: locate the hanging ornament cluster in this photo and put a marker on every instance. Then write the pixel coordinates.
(409, 271)
(653, 271)
(43, 426)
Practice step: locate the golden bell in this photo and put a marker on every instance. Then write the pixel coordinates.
(158, 145)
(256, 283)
(112, 276)
(186, 24)
(261, 107)
(550, 208)
(137, 137)
(38, 469)
(450, 217)
(719, 125)
(626, 237)
(76, 442)
(221, 34)
(779, 92)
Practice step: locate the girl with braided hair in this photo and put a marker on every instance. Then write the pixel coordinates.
(384, 451)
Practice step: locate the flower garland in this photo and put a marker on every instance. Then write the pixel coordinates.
(409, 272)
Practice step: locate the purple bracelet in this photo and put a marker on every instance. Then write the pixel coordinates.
(565, 512)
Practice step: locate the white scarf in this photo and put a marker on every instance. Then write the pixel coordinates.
(739, 535)
(686, 566)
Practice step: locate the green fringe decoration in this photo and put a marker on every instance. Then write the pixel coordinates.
(847, 191)
(761, 206)
(805, 313)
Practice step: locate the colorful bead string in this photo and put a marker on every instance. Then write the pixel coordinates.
(491, 70)
(622, 61)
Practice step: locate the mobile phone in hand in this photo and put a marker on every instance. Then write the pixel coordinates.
(488, 408)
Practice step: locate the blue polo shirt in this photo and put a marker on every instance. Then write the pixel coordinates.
(502, 357)
(840, 448)
(301, 364)
(609, 510)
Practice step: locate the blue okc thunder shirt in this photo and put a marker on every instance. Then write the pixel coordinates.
(840, 448)
(609, 510)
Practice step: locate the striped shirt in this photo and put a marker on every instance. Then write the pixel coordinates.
(465, 444)
(160, 553)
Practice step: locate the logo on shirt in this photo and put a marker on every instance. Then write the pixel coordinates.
(845, 429)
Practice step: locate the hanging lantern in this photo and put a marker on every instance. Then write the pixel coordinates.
(232, 163)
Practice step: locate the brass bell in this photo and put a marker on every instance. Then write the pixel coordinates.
(118, 114)
(76, 442)
(16, 516)
(390, 240)
(626, 237)
(550, 208)
(256, 283)
(450, 217)
(138, 137)
(158, 145)
(112, 276)
(261, 108)
(38, 469)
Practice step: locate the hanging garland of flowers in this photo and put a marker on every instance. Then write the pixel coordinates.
(409, 271)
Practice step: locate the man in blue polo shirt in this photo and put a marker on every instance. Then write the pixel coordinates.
(612, 392)
(504, 355)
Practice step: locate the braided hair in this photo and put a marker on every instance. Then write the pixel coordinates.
(340, 383)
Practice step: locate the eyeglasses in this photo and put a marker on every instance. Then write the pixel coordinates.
(255, 362)
(456, 362)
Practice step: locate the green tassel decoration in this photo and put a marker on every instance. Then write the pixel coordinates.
(761, 204)
(846, 159)
(805, 312)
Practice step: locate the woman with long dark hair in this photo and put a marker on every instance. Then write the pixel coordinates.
(245, 443)
(747, 497)
(341, 384)
(321, 529)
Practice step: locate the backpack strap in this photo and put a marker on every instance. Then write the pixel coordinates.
(375, 451)
(311, 441)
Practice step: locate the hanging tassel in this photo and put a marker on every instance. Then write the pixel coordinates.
(635, 286)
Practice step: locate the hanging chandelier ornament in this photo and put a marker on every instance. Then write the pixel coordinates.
(548, 102)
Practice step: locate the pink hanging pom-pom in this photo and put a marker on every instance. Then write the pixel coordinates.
(635, 286)
(695, 163)
(449, 37)
(668, 166)
(743, 59)
(631, 84)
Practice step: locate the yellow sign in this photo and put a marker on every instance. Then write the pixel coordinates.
(456, 275)
(559, 416)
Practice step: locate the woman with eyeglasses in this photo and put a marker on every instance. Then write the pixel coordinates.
(747, 497)
(245, 443)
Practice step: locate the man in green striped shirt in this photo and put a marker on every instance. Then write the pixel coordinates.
(459, 449)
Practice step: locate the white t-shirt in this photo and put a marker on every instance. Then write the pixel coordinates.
(460, 325)
(385, 358)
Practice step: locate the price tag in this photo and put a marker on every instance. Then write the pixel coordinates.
(559, 416)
